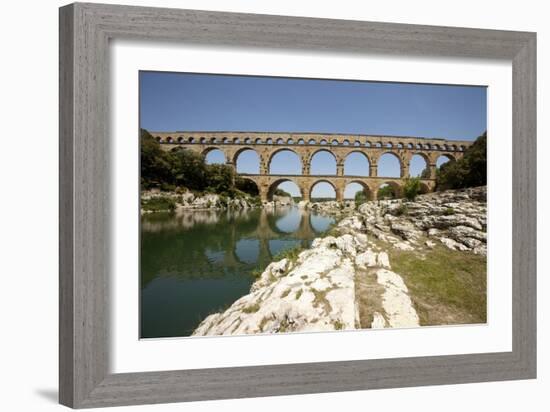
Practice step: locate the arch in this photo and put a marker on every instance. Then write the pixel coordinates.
(290, 141)
(368, 144)
(269, 140)
(435, 146)
(356, 163)
(258, 141)
(247, 160)
(280, 141)
(393, 193)
(169, 139)
(399, 145)
(410, 146)
(388, 145)
(345, 142)
(311, 141)
(355, 186)
(323, 191)
(236, 140)
(334, 142)
(357, 143)
(214, 140)
(387, 166)
(289, 188)
(247, 185)
(327, 165)
(291, 163)
(203, 140)
(247, 140)
(323, 142)
(301, 141)
(418, 164)
(378, 145)
(180, 139)
(225, 140)
(214, 155)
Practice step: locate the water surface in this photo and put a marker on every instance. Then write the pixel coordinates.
(199, 262)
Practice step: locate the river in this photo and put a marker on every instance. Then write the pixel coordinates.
(199, 262)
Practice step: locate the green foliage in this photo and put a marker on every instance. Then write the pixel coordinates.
(361, 197)
(159, 203)
(411, 188)
(281, 192)
(402, 210)
(181, 168)
(246, 186)
(425, 173)
(155, 163)
(470, 171)
(386, 192)
(449, 211)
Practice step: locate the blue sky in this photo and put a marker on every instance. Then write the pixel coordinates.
(181, 101)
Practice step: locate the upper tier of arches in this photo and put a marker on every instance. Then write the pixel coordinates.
(329, 140)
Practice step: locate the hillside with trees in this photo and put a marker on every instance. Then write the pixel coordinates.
(470, 171)
(180, 168)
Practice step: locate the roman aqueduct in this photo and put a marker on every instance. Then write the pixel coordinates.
(307, 145)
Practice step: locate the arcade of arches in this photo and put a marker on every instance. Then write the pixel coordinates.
(307, 145)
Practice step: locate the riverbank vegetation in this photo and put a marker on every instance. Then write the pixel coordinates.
(470, 171)
(181, 170)
(446, 286)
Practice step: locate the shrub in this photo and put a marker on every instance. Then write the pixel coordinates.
(159, 203)
(449, 211)
(402, 210)
(411, 188)
(361, 197)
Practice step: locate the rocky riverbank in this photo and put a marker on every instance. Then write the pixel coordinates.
(389, 264)
(155, 201)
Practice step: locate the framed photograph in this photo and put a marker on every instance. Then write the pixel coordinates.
(256, 205)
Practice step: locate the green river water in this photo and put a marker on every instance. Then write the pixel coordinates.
(199, 262)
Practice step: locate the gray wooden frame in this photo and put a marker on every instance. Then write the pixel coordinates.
(85, 31)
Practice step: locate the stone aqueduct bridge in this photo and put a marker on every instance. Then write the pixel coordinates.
(306, 145)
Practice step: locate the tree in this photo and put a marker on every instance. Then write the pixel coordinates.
(189, 169)
(246, 186)
(361, 197)
(411, 188)
(470, 171)
(156, 167)
(280, 192)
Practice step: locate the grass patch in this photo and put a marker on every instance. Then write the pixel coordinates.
(158, 204)
(321, 300)
(252, 308)
(368, 295)
(447, 287)
(298, 294)
(290, 254)
(338, 325)
(449, 211)
(285, 293)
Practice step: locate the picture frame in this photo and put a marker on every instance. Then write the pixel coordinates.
(84, 355)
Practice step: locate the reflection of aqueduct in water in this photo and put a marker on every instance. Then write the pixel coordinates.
(307, 145)
(264, 231)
